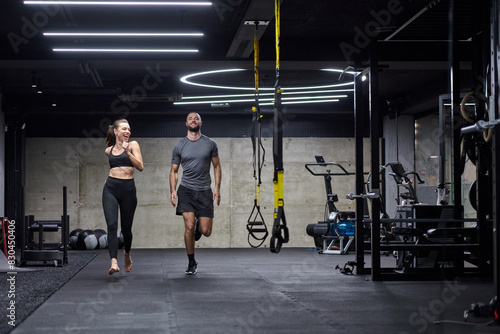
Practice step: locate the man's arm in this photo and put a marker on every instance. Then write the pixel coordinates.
(174, 176)
(218, 178)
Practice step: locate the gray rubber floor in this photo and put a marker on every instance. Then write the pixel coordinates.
(251, 291)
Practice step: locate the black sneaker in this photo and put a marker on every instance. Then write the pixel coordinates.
(191, 269)
(197, 233)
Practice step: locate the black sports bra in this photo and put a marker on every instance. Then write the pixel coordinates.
(121, 160)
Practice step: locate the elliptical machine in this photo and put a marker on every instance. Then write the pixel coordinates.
(330, 235)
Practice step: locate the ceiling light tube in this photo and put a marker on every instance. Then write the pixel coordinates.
(288, 100)
(121, 3)
(127, 34)
(320, 87)
(267, 94)
(312, 97)
(319, 91)
(222, 101)
(186, 80)
(124, 50)
(201, 97)
(302, 102)
(339, 71)
(316, 101)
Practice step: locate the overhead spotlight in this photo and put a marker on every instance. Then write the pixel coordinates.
(33, 79)
(363, 78)
(39, 86)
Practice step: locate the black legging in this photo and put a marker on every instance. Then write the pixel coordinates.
(119, 193)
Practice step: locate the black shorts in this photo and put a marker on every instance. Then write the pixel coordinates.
(199, 202)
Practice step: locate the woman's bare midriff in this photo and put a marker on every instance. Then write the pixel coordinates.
(125, 173)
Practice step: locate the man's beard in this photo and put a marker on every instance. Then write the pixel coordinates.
(195, 129)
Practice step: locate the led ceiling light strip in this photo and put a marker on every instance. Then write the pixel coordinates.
(313, 97)
(339, 71)
(221, 101)
(267, 94)
(127, 34)
(185, 79)
(124, 50)
(121, 3)
(302, 102)
(298, 99)
(321, 89)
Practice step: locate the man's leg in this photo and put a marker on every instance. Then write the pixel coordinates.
(206, 212)
(189, 231)
(206, 225)
(189, 222)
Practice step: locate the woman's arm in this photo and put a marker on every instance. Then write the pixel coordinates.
(134, 153)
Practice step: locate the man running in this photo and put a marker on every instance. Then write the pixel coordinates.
(195, 153)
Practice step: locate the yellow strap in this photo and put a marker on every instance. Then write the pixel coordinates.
(254, 108)
(258, 195)
(255, 190)
(278, 190)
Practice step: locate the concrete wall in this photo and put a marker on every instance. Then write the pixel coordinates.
(81, 165)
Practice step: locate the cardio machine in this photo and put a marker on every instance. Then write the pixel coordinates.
(338, 227)
(403, 180)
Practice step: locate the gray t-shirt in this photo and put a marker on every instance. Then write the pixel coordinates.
(195, 158)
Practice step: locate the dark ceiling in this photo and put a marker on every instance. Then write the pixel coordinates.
(412, 38)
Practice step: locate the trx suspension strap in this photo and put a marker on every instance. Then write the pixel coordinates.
(280, 230)
(256, 226)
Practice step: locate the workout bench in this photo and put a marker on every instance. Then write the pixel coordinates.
(439, 246)
(41, 253)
